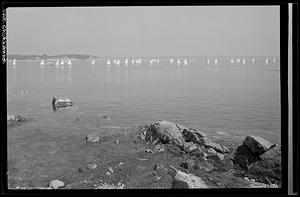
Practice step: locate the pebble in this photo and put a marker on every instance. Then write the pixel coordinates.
(55, 184)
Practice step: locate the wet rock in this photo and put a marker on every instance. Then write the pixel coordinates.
(210, 144)
(91, 166)
(164, 132)
(184, 180)
(55, 184)
(257, 145)
(92, 138)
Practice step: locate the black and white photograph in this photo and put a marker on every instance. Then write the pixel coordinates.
(143, 97)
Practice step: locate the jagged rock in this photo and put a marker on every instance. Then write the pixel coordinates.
(184, 180)
(210, 144)
(243, 156)
(271, 153)
(109, 171)
(187, 145)
(204, 165)
(193, 135)
(55, 184)
(92, 138)
(164, 132)
(188, 164)
(218, 157)
(15, 119)
(257, 145)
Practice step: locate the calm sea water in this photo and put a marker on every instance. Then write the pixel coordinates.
(224, 101)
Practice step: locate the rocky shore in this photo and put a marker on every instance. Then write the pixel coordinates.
(160, 155)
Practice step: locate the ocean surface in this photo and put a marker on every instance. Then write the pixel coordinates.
(225, 101)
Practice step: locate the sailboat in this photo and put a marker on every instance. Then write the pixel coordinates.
(274, 60)
(57, 63)
(93, 62)
(267, 61)
(207, 62)
(178, 62)
(157, 61)
(216, 61)
(42, 63)
(232, 61)
(238, 60)
(171, 60)
(108, 64)
(185, 62)
(126, 62)
(69, 62)
(14, 62)
(244, 61)
(253, 60)
(118, 62)
(62, 63)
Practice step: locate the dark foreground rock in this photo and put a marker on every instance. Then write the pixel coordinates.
(260, 159)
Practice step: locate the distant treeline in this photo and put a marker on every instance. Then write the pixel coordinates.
(45, 57)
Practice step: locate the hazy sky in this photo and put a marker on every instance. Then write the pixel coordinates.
(145, 31)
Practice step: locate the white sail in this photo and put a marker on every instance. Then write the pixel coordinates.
(108, 64)
(207, 62)
(93, 61)
(62, 62)
(253, 60)
(274, 60)
(126, 61)
(42, 63)
(267, 61)
(57, 63)
(238, 60)
(158, 61)
(232, 61)
(178, 62)
(14, 62)
(118, 62)
(244, 61)
(171, 60)
(185, 62)
(216, 61)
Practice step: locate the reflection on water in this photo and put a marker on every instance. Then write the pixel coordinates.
(42, 74)
(108, 75)
(62, 74)
(70, 75)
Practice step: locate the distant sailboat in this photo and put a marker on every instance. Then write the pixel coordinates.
(69, 62)
(244, 61)
(42, 63)
(185, 62)
(157, 61)
(253, 60)
(14, 62)
(171, 60)
(108, 64)
(93, 62)
(274, 60)
(207, 62)
(62, 62)
(238, 60)
(57, 63)
(216, 61)
(118, 62)
(126, 62)
(267, 61)
(178, 62)
(232, 61)
(132, 61)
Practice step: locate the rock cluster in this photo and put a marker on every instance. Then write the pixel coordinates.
(260, 159)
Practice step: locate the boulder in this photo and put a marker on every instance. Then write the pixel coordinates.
(271, 153)
(92, 138)
(55, 184)
(243, 156)
(184, 180)
(193, 135)
(257, 145)
(210, 144)
(63, 103)
(164, 132)
(188, 164)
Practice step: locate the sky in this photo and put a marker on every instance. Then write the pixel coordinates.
(145, 31)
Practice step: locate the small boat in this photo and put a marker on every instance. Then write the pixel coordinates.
(267, 61)
(178, 62)
(126, 61)
(93, 62)
(244, 61)
(62, 62)
(108, 64)
(42, 63)
(238, 60)
(207, 61)
(14, 62)
(216, 62)
(69, 62)
(231, 61)
(171, 60)
(253, 60)
(185, 62)
(274, 60)
(57, 63)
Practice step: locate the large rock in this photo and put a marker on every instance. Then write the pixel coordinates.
(243, 156)
(184, 180)
(257, 145)
(55, 184)
(193, 135)
(164, 132)
(271, 153)
(210, 144)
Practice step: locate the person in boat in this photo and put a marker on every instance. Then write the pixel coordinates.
(53, 103)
